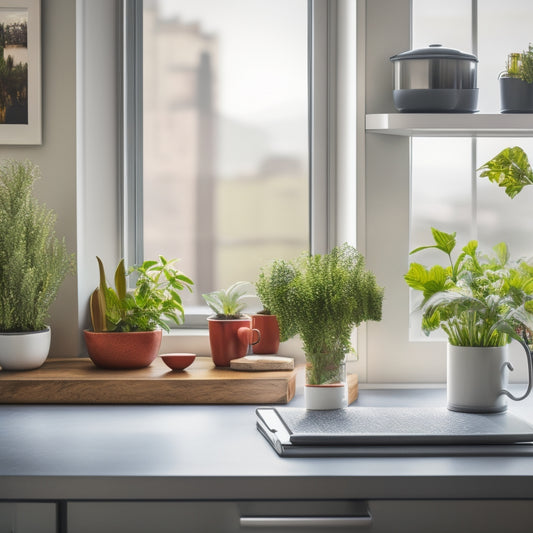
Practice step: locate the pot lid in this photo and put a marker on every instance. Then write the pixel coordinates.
(434, 51)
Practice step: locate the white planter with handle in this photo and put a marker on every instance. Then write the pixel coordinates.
(24, 351)
(477, 378)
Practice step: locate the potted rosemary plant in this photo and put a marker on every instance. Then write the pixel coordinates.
(516, 83)
(230, 330)
(481, 303)
(127, 325)
(33, 264)
(322, 298)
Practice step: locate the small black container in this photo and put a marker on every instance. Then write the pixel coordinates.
(516, 95)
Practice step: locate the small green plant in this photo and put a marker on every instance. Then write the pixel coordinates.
(322, 298)
(477, 300)
(510, 169)
(228, 304)
(33, 261)
(154, 300)
(520, 65)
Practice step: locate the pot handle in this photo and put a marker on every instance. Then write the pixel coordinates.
(529, 358)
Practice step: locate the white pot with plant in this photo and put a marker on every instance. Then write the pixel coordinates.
(322, 298)
(230, 330)
(128, 324)
(481, 303)
(33, 264)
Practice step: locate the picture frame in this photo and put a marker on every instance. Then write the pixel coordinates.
(20, 81)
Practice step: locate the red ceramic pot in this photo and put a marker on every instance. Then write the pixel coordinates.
(269, 329)
(123, 350)
(229, 339)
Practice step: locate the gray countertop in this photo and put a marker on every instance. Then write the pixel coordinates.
(95, 452)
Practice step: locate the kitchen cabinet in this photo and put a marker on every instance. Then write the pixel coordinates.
(204, 468)
(379, 516)
(27, 517)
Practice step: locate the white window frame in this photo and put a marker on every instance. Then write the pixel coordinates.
(324, 67)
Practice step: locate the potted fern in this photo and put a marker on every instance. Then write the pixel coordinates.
(481, 303)
(322, 298)
(33, 264)
(516, 83)
(230, 330)
(127, 325)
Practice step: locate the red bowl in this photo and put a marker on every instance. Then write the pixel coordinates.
(178, 361)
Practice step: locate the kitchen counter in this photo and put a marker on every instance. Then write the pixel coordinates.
(156, 453)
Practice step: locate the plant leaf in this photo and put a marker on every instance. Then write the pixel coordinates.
(509, 169)
(120, 280)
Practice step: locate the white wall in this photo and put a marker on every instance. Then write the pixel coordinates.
(57, 155)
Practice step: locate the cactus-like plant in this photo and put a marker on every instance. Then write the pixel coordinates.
(154, 300)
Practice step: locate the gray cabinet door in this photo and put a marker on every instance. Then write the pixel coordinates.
(27, 517)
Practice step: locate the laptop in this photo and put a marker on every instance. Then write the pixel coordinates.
(392, 431)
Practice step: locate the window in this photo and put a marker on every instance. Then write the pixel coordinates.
(414, 182)
(225, 176)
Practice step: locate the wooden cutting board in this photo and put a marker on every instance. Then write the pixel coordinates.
(79, 381)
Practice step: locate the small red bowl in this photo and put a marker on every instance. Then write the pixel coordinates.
(178, 361)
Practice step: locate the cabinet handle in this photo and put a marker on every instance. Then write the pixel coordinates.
(306, 521)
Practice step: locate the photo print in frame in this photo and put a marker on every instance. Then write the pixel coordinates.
(20, 72)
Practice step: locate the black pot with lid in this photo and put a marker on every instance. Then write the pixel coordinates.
(435, 79)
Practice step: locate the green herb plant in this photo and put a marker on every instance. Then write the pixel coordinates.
(228, 304)
(321, 298)
(33, 261)
(520, 65)
(477, 300)
(153, 302)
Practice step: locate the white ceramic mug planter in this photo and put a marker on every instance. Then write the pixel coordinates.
(477, 379)
(24, 351)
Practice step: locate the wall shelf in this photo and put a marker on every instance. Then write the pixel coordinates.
(451, 124)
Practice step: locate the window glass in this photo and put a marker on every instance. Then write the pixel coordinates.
(503, 27)
(225, 136)
(445, 190)
(447, 23)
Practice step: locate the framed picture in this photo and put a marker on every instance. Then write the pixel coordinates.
(20, 72)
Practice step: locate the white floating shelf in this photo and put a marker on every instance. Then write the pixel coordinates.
(451, 124)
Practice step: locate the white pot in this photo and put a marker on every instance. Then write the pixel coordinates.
(24, 351)
(321, 397)
(477, 378)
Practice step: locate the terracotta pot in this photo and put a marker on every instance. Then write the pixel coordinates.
(229, 339)
(123, 350)
(269, 329)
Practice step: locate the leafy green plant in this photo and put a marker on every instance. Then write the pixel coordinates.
(228, 303)
(520, 65)
(154, 300)
(477, 300)
(322, 298)
(33, 261)
(510, 169)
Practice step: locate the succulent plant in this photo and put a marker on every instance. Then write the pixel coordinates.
(228, 303)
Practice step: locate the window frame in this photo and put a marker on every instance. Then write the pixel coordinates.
(323, 65)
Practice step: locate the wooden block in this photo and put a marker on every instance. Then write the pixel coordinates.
(255, 363)
(79, 381)
(353, 387)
